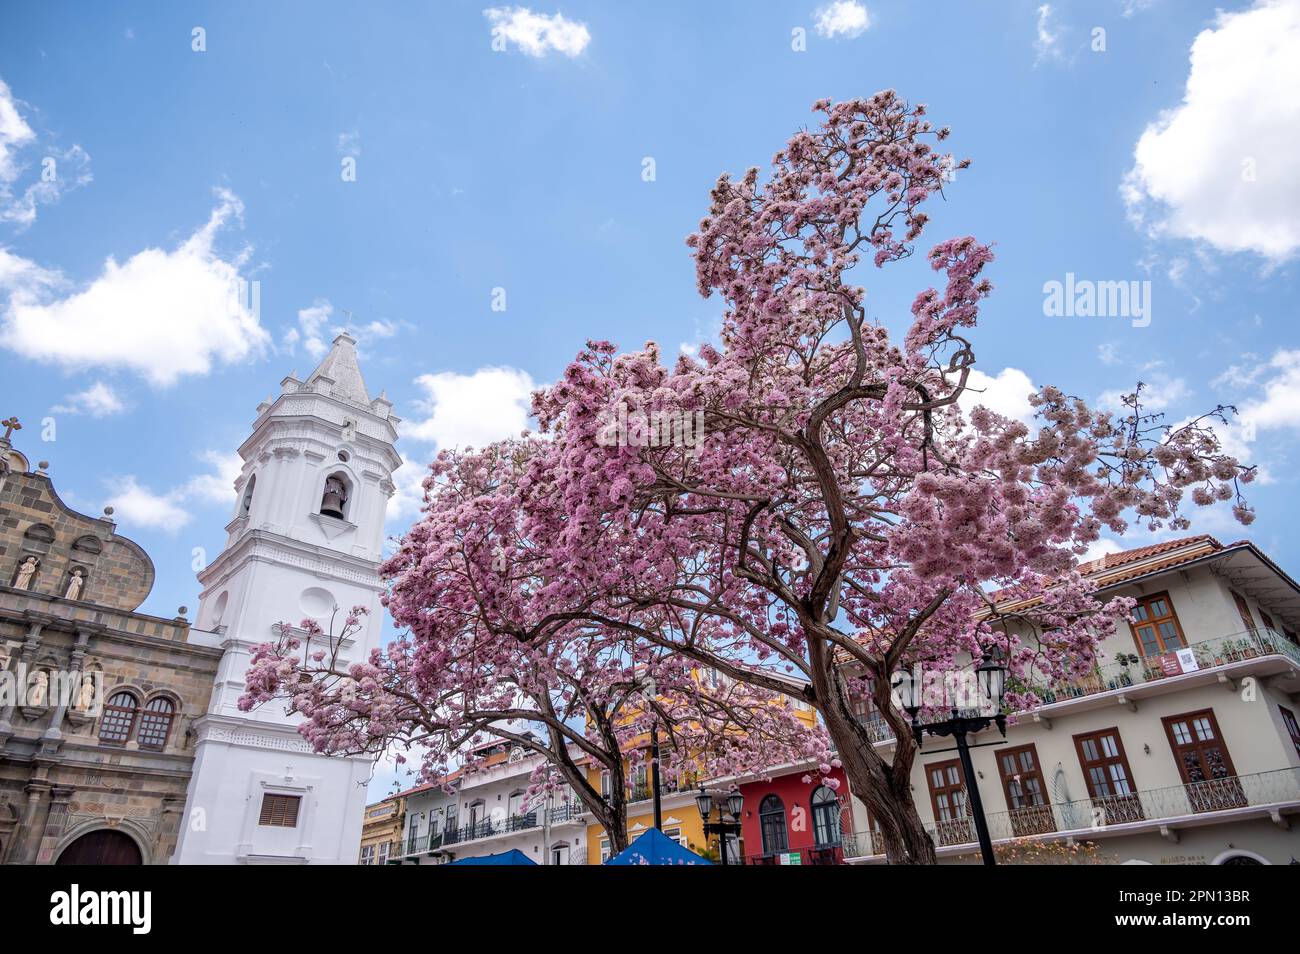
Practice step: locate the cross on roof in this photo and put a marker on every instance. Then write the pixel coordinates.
(10, 425)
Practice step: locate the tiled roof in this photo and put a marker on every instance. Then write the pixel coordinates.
(1113, 569)
(1112, 561)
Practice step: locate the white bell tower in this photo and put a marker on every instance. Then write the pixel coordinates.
(306, 538)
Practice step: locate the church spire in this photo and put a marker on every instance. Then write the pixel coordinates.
(341, 368)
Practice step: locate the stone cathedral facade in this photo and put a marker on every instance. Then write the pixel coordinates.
(97, 700)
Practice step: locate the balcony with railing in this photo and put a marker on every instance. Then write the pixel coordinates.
(418, 844)
(1260, 794)
(640, 790)
(1137, 670)
(1133, 669)
(878, 729)
(489, 828)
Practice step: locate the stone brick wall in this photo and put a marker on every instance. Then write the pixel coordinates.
(35, 522)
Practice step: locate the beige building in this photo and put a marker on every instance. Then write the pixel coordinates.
(1182, 747)
(381, 831)
(96, 700)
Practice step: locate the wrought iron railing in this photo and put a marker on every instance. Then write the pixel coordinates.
(1092, 816)
(511, 823)
(817, 855)
(429, 841)
(1138, 670)
(569, 811)
(669, 784)
(878, 729)
(1135, 669)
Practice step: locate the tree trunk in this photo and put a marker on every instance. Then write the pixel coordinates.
(884, 787)
(613, 819)
(611, 815)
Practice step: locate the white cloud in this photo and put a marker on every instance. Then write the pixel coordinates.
(463, 410)
(315, 329)
(1279, 405)
(1160, 393)
(311, 329)
(1220, 167)
(98, 400)
(1047, 36)
(1133, 7)
(536, 34)
(161, 314)
(1006, 393)
(137, 505)
(218, 486)
(14, 134)
(1101, 547)
(60, 169)
(350, 143)
(843, 18)
(134, 503)
(458, 411)
(377, 329)
(409, 493)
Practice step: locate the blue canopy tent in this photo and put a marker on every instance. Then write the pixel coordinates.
(512, 857)
(656, 848)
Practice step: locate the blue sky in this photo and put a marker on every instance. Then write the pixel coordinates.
(522, 169)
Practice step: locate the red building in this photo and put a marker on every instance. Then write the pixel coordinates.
(788, 820)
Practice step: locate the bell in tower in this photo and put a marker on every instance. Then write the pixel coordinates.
(335, 498)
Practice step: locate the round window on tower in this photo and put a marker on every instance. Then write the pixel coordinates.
(344, 455)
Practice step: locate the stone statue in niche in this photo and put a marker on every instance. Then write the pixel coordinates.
(86, 698)
(334, 499)
(26, 571)
(75, 583)
(38, 688)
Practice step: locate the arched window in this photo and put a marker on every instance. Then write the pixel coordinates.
(247, 503)
(826, 817)
(771, 820)
(118, 721)
(334, 498)
(156, 723)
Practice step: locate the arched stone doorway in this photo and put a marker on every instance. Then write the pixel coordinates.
(102, 847)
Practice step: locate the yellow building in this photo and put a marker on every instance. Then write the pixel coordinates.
(681, 818)
(381, 831)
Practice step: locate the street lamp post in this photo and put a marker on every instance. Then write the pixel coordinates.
(991, 675)
(649, 694)
(654, 774)
(735, 804)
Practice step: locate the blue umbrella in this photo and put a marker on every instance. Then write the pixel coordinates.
(512, 857)
(656, 848)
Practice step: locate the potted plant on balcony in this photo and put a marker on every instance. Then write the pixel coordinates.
(1125, 660)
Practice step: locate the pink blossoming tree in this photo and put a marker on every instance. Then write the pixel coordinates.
(842, 517)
